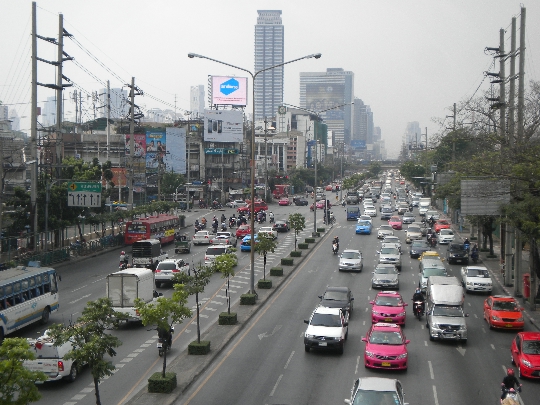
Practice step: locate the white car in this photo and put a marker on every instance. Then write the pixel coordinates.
(445, 236)
(365, 218)
(351, 260)
(385, 230)
(202, 238)
(390, 239)
(269, 231)
(236, 204)
(327, 329)
(413, 233)
(370, 210)
(476, 278)
(166, 269)
(389, 254)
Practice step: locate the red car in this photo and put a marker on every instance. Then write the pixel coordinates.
(526, 354)
(284, 201)
(503, 312)
(321, 204)
(388, 307)
(395, 222)
(242, 231)
(259, 206)
(386, 347)
(441, 224)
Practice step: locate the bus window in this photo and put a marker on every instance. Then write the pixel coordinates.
(46, 288)
(54, 287)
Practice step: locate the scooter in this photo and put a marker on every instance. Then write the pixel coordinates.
(418, 309)
(474, 256)
(512, 394)
(335, 248)
(223, 226)
(232, 222)
(122, 266)
(163, 345)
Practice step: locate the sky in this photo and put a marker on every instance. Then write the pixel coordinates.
(412, 59)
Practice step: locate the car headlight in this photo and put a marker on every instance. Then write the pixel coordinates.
(526, 363)
(519, 319)
(469, 283)
(436, 326)
(402, 356)
(463, 327)
(370, 354)
(376, 313)
(308, 336)
(401, 313)
(495, 318)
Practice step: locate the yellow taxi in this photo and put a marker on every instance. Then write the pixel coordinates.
(431, 254)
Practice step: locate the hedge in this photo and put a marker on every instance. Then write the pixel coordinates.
(309, 240)
(303, 246)
(296, 253)
(264, 284)
(287, 261)
(248, 299)
(321, 229)
(199, 348)
(156, 383)
(276, 271)
(228, 319)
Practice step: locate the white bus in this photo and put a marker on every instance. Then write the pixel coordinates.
(27, 295)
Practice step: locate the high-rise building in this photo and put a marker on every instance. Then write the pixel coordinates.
(196, 100)
(363, 122)
(332, 93)
(48, 114)
(269, 45)
(119, 103)
(413, 135)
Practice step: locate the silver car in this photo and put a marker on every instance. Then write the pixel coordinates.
(385, 230)
(350, 260)
(391, 255)
(385, 276)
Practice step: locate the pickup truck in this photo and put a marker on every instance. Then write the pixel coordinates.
(224, 238)
(202, 238)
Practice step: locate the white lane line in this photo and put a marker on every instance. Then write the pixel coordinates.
(505, 369)
(80, 288)
(288, 360)
(483, 330)
(275, 386)
(119, 365)
(78, 397)
(366, 309)
(364, 322)
(431, 370)
(425, 342)
(145, 345)
(468, 303)
(435, 396)
(87, 390)
(493, 346)
(78, 299)
(357, 363)
(476, 316)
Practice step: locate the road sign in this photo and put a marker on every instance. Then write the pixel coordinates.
(84, 194)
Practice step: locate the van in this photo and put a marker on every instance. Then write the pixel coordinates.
(423, 206)
(147, 253)
(441, 280)
(214, 251)
(445, 318)
(429, 268)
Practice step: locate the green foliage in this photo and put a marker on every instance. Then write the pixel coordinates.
(162, 384)
(296, 253)
(199, 348)
(17, 384)
(287, 261)
(170, 181)
(266, 244)
(303, 246)
(410, 170)
(224, 264)
(264, 284)
(375, 168)
(310, 240)
(276, 271)
(298, 223)
(228, 319)
(451, 191)
(248, 299)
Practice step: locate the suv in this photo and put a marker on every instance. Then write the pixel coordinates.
(386, 212)
(457, 253)
(376, 390)
(327, 329)
(167, 268)
(476, 278)
(214, 251)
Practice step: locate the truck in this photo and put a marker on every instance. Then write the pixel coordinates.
(445, 317)
(147, 253)
(125, 286)
(50, 359)
(423, 205)
(353, 213)
(352, 197)
(281, 190)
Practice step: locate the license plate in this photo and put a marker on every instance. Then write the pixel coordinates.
(388, 319)
(508, 325)
(385, 364)
(323, 344)
(159, 345)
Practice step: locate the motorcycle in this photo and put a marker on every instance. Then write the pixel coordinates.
(512, 394)
(271, 219)
(232, 223)
(466, 246)
(432, 241)
(122, 266)
(418, 309)
(474, 256)
(216, 205)
(223, 226)
(335, 248)
(164, 344)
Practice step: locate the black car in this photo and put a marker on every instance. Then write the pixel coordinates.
(417, 248)
(281, 226)
(457, 253)
(300, 201)
(338, 297)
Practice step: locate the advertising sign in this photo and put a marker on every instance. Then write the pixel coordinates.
(175, 158)
(227, 90)
(323, 96)
(219, 151)
(358, 144)
(156, 148)
(223, 126)
(140, 146)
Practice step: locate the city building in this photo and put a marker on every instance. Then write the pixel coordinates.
(413, 136)
(269, 51)
(363, 122)
(119, 103)
(196, 101)
(331, 94)
(48, 113)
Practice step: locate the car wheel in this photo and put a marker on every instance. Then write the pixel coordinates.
(519, 372)
(463, 341)
(340, 350)
(430, 337)
(72, 373)
(306, 348)
(158, 284)
(45, 316)
(512, 360)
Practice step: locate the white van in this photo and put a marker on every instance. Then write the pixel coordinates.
(216, 250)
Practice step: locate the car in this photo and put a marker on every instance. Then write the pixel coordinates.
(456, 253)
(245, 246)
(445, 236)
(351, 260)
(386, 347)
(395, 222)
(363, 227)
(503, 312)
(432, 214)
(217, 250)
(386, 212)
(224, 238)
(284, 201)
(430, 268)
(476, 278)
(300, 201)
(525, 351)
(422, 225)
(415, 202)
(370, 210)
(413, 233)
(376, 390)
(236, 204)
(338, 297)
(388, 306)
(365, 218)
(166, 270)
(321, 204)
(385, 276)
(390, 254)
(408, 218)
(259, 205)
(282, 226)
(268, 231)
(431, 254)
(202, 238)
(417, 248)
(441, 224)
(384, 230)
(390, 239)
(327, 329)
(403, 207)
(242, 231)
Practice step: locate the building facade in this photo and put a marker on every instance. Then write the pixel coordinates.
(196, 101)
(269, 51)
(118, 101)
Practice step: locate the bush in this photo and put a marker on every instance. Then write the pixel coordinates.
(303, 246)
(287, 261)
(228, 319)
(276, 271)
(264, 284)
(321, 230)
(248, 299)
(156, 383)
(296, 253)
(309, 240)
(199, 348)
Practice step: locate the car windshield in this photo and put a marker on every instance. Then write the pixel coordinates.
(505, 306)
(457, 248)
(446, 232)
(386, 301)
(335, 296)
(385, 228)
(413, 229)
(385, 270)
(386, 338)
(419, 244)
(389, 251)
(428, 272)
(166, 266)
(201, 234)
(329, 320)
(243, 227)
(478, 273)
(447, 311)
(395, 219)
(350, 255)
(443, 222)
(531, 347)
(391, 239)
(364, 223)
(387, 209)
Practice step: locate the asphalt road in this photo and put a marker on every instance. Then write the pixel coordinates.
(267, 364)
(137, 358)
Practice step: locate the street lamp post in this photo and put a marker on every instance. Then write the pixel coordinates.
(252, 185)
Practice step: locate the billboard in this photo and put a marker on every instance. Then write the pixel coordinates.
(227, 90)
(358, 144)
(484, 196)
(223, 126)
(156, 148)
(175, 156)
(324, 96)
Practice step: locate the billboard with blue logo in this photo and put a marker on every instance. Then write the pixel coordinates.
(227, 90)
(358, 144)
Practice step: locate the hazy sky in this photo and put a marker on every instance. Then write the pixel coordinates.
(412, 59)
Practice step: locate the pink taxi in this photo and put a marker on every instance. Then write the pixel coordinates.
(389, 307)
(386, 347)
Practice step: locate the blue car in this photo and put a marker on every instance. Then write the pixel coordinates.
(363, 227)
(245, 246)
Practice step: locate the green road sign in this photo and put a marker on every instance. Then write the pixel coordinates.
(86, 187)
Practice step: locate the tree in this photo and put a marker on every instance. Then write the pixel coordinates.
(265, 244)
(170, 182)
(298, 223)
(17, 384)
(90, 341)
(225, 265)
(164, 313)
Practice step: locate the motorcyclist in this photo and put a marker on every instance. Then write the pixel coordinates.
(474, 252)
(223, 218)
(123, 257)
(271, 215)
(418, 296)
(336, 241)
(508, 382)
(165, 335)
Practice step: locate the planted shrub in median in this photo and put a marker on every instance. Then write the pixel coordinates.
(276, 271)
(199, 348)
(321, 230)
(303, 246)
(309, 240)
(164, 385)
(248, 299)
(226, 318)
(264, 284)
(287, 261)
(296, 253)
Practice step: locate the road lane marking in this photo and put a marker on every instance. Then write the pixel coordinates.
(435, 395)
(288, 360)
(80, 288)
(431, 370)
(357, 363)
(476, 316)
(425, 342)
(493, 346)
(483, 330)
(275, 386)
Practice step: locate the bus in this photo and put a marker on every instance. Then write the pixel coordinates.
(160, 227)
(27, 295)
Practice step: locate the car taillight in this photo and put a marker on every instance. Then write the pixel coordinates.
(176, 271)
(206, 258)
(60, 366)
(206, 237)
(158, 271)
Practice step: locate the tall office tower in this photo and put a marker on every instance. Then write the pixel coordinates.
(363, 122)
(413, 135)
(332, 92)
(3, 112)
(196, 100)
(48, 113)
(269, 45)
(119, 103)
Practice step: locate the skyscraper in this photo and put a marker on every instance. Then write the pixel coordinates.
(269, 45)
(196, 101)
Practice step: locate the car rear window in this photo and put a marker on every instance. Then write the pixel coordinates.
(166, 266)
(215, 251)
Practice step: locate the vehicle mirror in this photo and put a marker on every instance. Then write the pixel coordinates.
(306, 321)
(407, 341)
(320, 296)
(372, 302)
(466, 315)
(352, 298)
(345, 323)
(364, 339)
(405, 304)
(347, 401)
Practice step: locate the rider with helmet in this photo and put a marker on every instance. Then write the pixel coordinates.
(123, 257)
(509, 382)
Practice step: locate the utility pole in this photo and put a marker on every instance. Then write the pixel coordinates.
(33, 131)
(59, 88)
(108, 121)
(265, 160)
